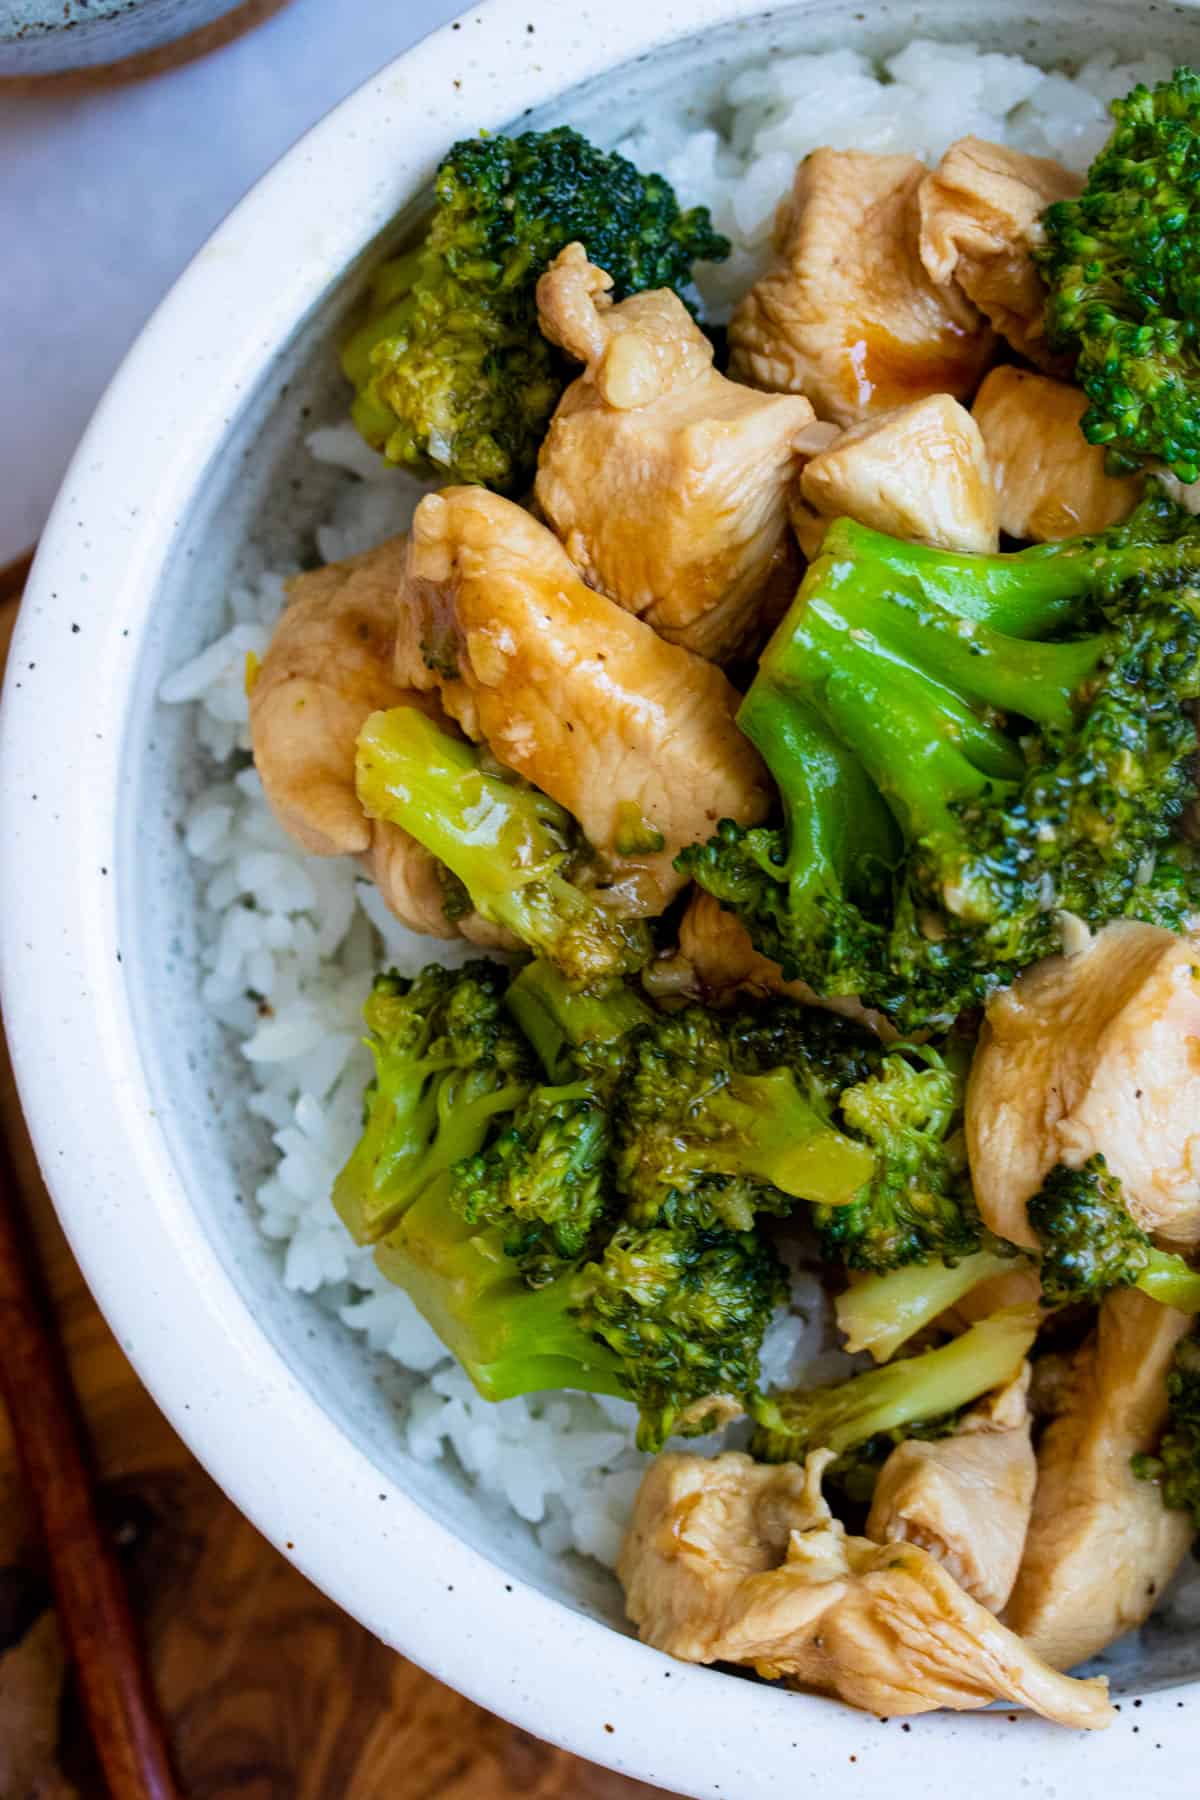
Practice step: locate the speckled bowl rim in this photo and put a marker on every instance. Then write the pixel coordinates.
(176, 1312)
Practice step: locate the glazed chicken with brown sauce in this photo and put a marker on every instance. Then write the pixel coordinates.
(848, 315)
(730, 1561)
(967, 1498)
(980, 220)
(566, 688)
(1093, 1053)
(1049, 481)
(1101, 1545)
(919, 472)
(328, 667)
(666, 482)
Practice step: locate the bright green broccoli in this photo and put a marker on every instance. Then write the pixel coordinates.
(879, 1313)
(915, 1390)
(452, 373)
(705, 1132)
(667, 1318)
(1176, 1465)
(1090, 1244)
(547, 1177)
(514, 850)
(448, 1063)
(965, 748)
(484, 1176)
(918, 1205)
(1120, 264)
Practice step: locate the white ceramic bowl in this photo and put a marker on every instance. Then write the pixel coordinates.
(132, 1097)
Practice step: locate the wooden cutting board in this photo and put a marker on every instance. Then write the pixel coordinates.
(269, 1691)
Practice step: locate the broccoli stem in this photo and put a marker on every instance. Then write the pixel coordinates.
(507, 843)
(1027, 593)
(840, 835)
(879, 1313)
(899, 1394)
(1169, 1280)
(558, 1019)
(511, 1339)
(775, 1135)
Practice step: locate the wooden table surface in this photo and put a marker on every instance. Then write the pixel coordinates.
(270, 1692)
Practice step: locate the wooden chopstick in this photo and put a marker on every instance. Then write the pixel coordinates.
(89, 1588)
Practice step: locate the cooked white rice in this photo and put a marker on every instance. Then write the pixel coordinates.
(291, 942)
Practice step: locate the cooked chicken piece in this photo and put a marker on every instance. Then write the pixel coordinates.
(666, 482)
(967, 1498)
(730, 1561)
(1050, 482)
(724, 963)
(848, 314)
(1094, 1053)
(634, 736)
(328, 666)
(981, 211)
(918, 472)
(1101, 1544)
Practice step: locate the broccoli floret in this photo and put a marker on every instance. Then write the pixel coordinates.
(912, 1391)
(663, 1317)
(705, 1133)
(448, 1063)
(879, 1313)
(452, 373)
(967, 747)
(547, 1178)
(1176, 1466)
(1120, 267)
(918, 1203)
(685, 1308)
(1090, 1244)
(515, 851)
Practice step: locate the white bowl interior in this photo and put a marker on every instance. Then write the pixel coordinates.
(265, 496)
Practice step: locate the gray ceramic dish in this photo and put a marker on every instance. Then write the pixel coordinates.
(194, 459)
(45, 37)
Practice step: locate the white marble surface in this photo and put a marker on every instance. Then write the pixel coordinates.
(106, 193)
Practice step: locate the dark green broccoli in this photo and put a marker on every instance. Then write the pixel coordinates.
(1090, 1244)
(1120, 264)
(515, 851)
(448, 1063)
(918, 1204)
(705, 1132)
(667, 1318)
(1176, 1465)
(547, 1177)
(879, 1313)
(966, 747)
(912, 1391)
(452, 373)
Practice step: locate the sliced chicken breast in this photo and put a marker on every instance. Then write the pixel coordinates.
(848, 314)
(1049, 481)
(666, 482)
(981, 212)
(1097, 1053)
(1101, 1545)
(634, 736)
(731, 1561)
